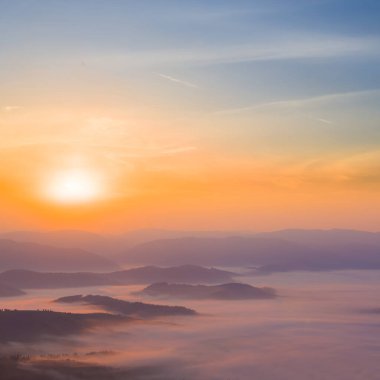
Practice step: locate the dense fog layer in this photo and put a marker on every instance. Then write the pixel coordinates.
(321, 326)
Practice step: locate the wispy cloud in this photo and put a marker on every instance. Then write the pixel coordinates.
(122, 156)
(178, 150)
(358, 168)
(179, 81)
(281, 48)
(325, 121)
(301, 102)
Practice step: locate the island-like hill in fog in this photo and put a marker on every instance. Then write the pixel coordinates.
(133, 309)
(230, 291)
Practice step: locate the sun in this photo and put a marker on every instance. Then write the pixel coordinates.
(74, 186)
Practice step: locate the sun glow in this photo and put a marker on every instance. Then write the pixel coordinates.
(74, 186)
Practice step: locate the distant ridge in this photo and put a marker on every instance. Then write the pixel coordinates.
(33, 256)
(283, 250)
(9, 291)
(105, 244)
(279, 251)
(24, 279)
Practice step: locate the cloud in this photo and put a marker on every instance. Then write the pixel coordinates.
(177, 150)
(325, 121)
(179, 81)
(288, 47)
(356, 170)
(301, 102)
(10, 108)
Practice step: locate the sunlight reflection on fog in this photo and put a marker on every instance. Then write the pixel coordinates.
(315, 329)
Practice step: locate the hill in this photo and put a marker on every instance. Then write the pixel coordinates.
(182, 273)
(32, 325)
(325, 238)
(107, 245)
(135, 309)
(9, 291)
(32, 256)
(231, 291)
(25, 279)
(266, 254)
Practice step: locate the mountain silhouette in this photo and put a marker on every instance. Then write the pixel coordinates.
(32, 256)
(24, 279)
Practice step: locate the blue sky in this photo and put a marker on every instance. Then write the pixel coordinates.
(288, 48)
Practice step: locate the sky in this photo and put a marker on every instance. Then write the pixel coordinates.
(202, 115)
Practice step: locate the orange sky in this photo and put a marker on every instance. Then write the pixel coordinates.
(182, 120)
(185, 188)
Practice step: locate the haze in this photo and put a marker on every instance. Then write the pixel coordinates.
(189, 189)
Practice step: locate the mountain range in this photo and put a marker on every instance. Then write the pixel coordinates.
(33, 256)
(24, 279)
(285, 250)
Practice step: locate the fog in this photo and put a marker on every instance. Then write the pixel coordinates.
(318, 328)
